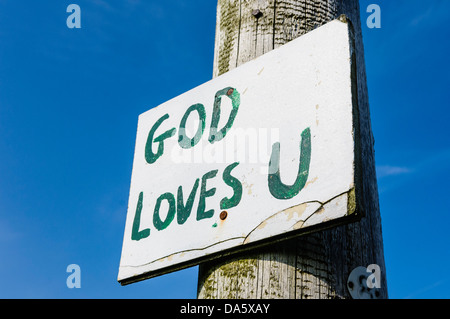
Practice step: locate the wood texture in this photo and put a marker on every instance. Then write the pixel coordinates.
(315, 265)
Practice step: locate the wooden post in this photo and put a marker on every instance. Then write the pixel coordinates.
(316, 265)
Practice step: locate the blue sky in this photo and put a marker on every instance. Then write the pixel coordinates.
(69, 103)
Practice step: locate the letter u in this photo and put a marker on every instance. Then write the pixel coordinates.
(276, 186)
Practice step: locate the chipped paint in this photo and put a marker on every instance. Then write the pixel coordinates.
(311, 181)
(248, 187)
(304, 215)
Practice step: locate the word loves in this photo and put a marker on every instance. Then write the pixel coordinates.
(228, 308)
(180, 204)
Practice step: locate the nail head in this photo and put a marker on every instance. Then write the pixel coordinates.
(223, 215)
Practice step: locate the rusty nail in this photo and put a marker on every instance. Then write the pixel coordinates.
(230, 91)
(257, 13)
(223, 215)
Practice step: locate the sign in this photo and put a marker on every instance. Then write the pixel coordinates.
(264, 152)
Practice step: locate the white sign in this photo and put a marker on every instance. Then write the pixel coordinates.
(263, 152)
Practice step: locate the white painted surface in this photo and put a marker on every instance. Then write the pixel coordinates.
(304, 84)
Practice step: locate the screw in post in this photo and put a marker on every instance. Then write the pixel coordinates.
(257, 13)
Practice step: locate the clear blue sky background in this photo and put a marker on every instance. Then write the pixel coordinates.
(69, 103)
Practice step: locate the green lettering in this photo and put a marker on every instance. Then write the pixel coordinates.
(201, 213)
(235, 97)
(183, 212)
(235, 184)
(151, 157)
(276, 187)
(183, 140)
(157, 222)
(135, 233)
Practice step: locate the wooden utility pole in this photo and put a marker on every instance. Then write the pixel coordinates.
(316, 265)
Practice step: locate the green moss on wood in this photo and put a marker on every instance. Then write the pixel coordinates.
(229, 27)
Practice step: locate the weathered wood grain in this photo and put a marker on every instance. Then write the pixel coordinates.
(315, 265)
